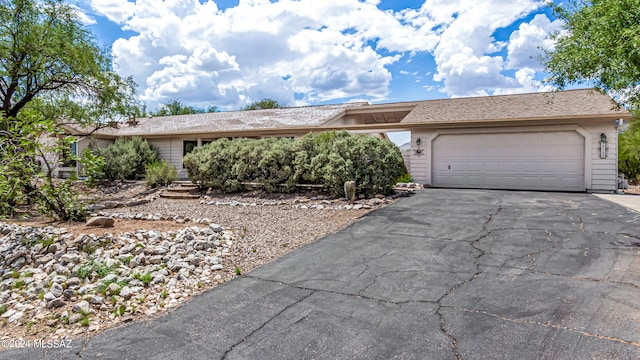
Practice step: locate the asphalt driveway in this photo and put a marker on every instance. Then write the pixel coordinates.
(445, 274)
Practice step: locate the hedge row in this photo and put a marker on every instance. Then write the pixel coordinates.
(329, 159)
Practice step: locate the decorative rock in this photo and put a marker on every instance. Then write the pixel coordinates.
(71, 268)
(100, 221)
(8, 313)
(59, 279)
(68, 294)
(216, 228)
(53, 248)
(85, 289)
(82, 307)
(74, 318)
(126, 292)
(73, 281)
(109, 278)
(56, 289)
(113, 288)
(70, 258)
(17, 316)
(57, 302)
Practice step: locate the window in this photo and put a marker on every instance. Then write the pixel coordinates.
(187, 147)
(69, 155)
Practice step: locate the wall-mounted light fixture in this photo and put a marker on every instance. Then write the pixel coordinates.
(418, 141)
(603, 146)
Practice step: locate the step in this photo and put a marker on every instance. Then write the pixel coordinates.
(184, 182)
(169, 195)
(182, 189)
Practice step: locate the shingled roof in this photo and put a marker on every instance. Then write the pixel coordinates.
(582, 103)
(570, 104)
(295, 117)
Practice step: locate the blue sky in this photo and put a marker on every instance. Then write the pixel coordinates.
(229, 53)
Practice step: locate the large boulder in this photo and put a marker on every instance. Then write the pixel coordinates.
(100, 221)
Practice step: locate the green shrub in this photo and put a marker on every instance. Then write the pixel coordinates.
(212, 166)
(267, 161)
(629, 153)
(58, 200)
(325, 158)
(160, 174)
(373, 163)
(406, 178)
(127, 159)
(92, 166)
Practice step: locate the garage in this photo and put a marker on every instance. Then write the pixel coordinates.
(545, 160)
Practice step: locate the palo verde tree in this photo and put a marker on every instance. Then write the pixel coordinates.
(600, 45)
(51, 71)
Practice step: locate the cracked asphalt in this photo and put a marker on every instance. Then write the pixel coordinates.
(445, 274)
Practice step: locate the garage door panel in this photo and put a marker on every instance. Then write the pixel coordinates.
(458, 180)
(532, 161)
(549, 167)
(572, 152)
(548, 138)
(571, 167)
(510, 181)
(571, 182)
(474, 178)
(523, 166)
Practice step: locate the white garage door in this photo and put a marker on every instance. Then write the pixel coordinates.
(525, 161)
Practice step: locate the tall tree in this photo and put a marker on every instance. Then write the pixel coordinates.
(47, 54)
(51, 69)
(599, 45)
(264, 104)
(175, 107)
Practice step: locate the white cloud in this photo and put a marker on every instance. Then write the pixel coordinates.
(83, 17)
(526, 83)
(324, 48)
(307, 51)
(464, 56)
(115, 10)
(526, 43)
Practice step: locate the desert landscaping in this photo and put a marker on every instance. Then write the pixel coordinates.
(70, 280)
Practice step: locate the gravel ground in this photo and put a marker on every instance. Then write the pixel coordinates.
(262, 233)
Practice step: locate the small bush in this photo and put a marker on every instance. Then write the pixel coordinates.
(127, 159)
(57, 199)
(160, 174)
(92, 167)
(406, 178)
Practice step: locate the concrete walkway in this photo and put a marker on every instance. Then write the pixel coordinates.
(629, 201)
(446, 274)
